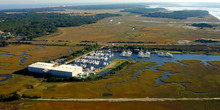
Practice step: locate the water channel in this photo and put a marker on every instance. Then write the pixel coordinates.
(161, 61)
(24, 55)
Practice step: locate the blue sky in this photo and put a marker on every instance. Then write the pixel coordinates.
(95, 1)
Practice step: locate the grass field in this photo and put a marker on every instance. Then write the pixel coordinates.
(10, 64)
(106, 31)
(91, 88)
(197, 83)
(197, 77)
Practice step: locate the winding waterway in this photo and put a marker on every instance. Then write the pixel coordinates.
(6, 77)
(24, 56)
(161, 61)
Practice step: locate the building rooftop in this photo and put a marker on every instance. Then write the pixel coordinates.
(50, 66)
(67, 68)
(41, 65)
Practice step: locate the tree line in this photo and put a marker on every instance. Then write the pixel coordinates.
(3, 43)
(163, 13)
(10, 97)
(207, 41)
(15, 96)
(178, 14)
(35, 25)
(33, 10)
(143, 10)
(202, 25)
(181, 48)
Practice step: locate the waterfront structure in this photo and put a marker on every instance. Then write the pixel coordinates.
(55, 70)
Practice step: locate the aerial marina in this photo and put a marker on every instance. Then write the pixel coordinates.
(95, 61)
(119, 56)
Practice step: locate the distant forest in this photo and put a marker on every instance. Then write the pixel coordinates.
(206, 41)
(33, 10)
(85, 7)
(143, 11)
(101, 7)
(203, 25)
(163, 13)
(34, 25)
(179, 14)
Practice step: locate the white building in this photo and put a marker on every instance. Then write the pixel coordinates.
(61, 71)
(40, 67)
(66, 71)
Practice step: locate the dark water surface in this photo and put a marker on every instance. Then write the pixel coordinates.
(7, 77)
(162, 60)
(25, 57)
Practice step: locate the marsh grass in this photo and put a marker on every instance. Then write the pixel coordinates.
(105, 31)
(10, 64)
(197, 77)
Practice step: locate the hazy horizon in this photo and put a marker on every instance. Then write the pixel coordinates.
(41, 5)
(3, 2)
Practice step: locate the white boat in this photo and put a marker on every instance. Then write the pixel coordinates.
(84, 65)
(161, 54)
(129, 53)
(108, 51)
(106, 58)
(144, 55)
(168, 54)
(126, 54)
(123, 53)
(104, 63)
(96, 62)
(91, 68)
(147, 54)
(140, 54)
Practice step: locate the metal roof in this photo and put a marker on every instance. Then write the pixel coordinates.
(67, 68)
(41, 65)
(50, 66)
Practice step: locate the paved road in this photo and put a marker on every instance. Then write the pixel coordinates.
(128, 99)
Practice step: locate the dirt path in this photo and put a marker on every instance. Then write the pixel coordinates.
(128, 99)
